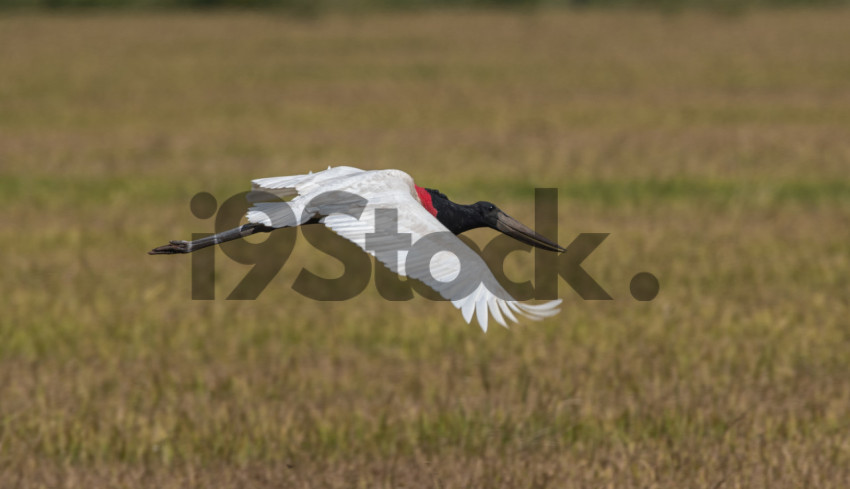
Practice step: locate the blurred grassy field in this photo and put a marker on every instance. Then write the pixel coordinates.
(716, 151)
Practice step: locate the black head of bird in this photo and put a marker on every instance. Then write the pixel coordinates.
(459, 218)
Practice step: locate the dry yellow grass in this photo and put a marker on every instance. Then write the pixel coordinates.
(714, 150)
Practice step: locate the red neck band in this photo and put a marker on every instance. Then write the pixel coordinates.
(425, 198)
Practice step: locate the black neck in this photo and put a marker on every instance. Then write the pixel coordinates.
(456, 217)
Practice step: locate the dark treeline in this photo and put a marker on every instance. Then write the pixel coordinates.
(320, 6)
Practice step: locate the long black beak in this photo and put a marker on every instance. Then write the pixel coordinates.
(521, 232)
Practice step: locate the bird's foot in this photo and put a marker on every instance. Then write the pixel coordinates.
(172, 248)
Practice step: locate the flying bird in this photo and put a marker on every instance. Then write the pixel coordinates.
(356, 203)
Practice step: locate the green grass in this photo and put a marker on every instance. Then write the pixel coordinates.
(713, 150)
(311, 9)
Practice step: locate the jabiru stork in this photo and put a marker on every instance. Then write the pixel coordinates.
(321, 198)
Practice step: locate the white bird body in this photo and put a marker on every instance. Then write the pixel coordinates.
(322, 196)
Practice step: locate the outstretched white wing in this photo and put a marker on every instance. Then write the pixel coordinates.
(386, 199)
(302, 184)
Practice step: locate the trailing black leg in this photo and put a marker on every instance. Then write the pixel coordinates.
(175, 247)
